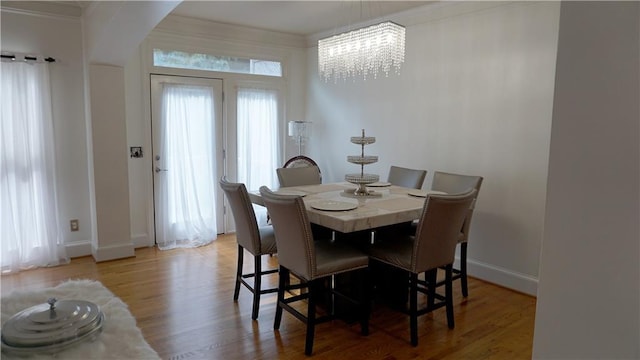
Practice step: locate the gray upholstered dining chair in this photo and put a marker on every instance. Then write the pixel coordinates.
(256, 240)
(409, 178)
(405, 177)
(313, 261)
(433, 246)
(297, 176)
(454, 184)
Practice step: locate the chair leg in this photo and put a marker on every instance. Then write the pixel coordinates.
(311, 317)
(449, 295)
(283, 275)
(236, 292)
(329, 298)
(365, 302)
(413, 308)
(257, 283)
(463, 269)
(432, 278)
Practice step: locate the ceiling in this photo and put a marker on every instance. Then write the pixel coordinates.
(301, 17)
(294, 17)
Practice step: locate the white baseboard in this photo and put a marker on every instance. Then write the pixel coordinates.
(500, 276)
(78, 248)
(113, 252)
(83, 248)
(141, 240)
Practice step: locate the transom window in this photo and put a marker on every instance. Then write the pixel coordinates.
(185, 60)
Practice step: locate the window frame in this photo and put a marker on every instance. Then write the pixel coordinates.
(250, 59)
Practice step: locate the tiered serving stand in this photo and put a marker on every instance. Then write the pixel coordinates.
(362, 179)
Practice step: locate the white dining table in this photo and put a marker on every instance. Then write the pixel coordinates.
(390, 205)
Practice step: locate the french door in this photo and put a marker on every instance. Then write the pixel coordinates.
(186, 120)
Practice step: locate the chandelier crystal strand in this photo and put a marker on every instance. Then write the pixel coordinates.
(362, 52)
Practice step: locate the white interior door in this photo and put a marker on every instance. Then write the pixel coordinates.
(186, 120)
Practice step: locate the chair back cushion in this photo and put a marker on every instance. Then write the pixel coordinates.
(298, 176)
(439, 229)
(291, 226)
(247, 233)
(456, 184)
(409, 178)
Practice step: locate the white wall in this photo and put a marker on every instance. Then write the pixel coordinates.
(108, 121)
(111, 36)
(474, 97)
(114, 29)
(138, 168)
(589, 297)
(60, 37)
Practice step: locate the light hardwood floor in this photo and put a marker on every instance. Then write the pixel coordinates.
(183, 302)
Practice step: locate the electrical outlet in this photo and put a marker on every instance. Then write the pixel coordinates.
(75, 226)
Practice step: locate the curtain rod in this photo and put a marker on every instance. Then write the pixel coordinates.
(26, 57)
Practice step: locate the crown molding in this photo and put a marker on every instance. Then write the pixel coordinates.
(48, 9)
(181, 25)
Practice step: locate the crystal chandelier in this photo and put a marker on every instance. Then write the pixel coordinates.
(365, 51)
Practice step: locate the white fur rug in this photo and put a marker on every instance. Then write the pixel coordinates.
(120, 337)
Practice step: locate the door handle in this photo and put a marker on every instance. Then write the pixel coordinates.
(158, 169)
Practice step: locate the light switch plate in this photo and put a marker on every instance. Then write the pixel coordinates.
(135, 151)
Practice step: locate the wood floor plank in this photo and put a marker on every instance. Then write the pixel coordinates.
(183, 302)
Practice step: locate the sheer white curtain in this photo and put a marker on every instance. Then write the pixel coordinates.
(30, 233)
(188, 213)
(258, 144)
